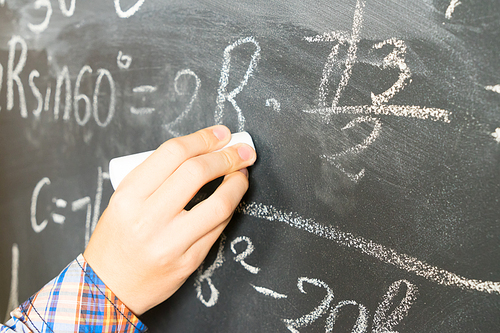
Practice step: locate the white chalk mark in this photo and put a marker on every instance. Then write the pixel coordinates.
(41, 27)
(269, 292)
(65, 11)
(1, 79)
(101, 176)
(129, 12)
(36, 92)
(48, 92)
(2, 3)
(395, 59)
(60, 203)
(340, 38)
(63, 77)
(144, 89)
(58, 218)
(410, 111)
(272, 102)
(123, 61)
(14, 283)
(243, 255)
(82, 204)
(222, 94)
(82, 97)
(141, 111)
(34, 199)
(194, 96)
(13, 74)
(383, 323)
(332, 159)
(495, 88)
(451, 8)
(370, 248)
(207, 276)
(112, 97)
(361, 324)
(321, 309)
(496, 134)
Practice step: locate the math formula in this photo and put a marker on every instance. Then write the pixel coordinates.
(372, 153)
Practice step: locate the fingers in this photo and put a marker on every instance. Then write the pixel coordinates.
(214, 213)
(147, 177)
(175, 193)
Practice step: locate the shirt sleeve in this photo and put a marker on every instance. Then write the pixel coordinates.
(75, 301)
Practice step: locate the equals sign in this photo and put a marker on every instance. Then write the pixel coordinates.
(143, 90)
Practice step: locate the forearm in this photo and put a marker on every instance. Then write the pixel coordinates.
(75, 301)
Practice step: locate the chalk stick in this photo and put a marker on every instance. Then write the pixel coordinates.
(120, 167)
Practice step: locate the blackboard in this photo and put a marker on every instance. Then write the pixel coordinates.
(374, 203)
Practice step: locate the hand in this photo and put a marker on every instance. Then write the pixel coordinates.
(146, 245)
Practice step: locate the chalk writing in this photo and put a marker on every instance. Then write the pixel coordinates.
(14, 282)
(68, 12)
(496, 134)
(243, 255)
(358, 148)
(385, 323)
(85, 203)
(271, 102)
(112, 102)
(146, 89)
(36, 92)
(395, 59)
(370, 248)
(222, 94)
(123, 61)
(41, 27)
(129, 12)
(321, 309)
(185, 72)
(451, 8)
(63, 77)
(1, 80)
(13, 75)
(34, 199)
(206, 275)
(81, 97)
(361, 322)
(495, 88)
(269, 292)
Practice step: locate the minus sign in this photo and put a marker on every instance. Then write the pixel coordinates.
(144, 89)
(269, 292)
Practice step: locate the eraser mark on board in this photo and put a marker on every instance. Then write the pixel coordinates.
(121, 166)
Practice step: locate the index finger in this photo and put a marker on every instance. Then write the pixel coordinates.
(149, 175)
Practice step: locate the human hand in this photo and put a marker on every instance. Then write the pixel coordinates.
(146, 245)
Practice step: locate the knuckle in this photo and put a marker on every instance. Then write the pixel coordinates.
(223, 208)
(175, 148)
(204, 139)
(228, 160)
(195, 168)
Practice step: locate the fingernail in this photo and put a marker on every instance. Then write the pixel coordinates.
(244, 171)
(245, 152)
(220, 132)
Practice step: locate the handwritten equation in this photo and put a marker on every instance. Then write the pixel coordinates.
(384, 320)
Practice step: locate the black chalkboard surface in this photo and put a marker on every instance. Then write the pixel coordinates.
(374, 203)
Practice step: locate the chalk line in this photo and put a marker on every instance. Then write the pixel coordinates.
(269, 292)
(451, 8)
(410, 111)
(368, 247)
(495, 88)
(496, 134)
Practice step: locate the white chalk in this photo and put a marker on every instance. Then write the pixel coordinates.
(121, 166)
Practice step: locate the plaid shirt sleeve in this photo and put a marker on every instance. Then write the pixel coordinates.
(75, 301)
